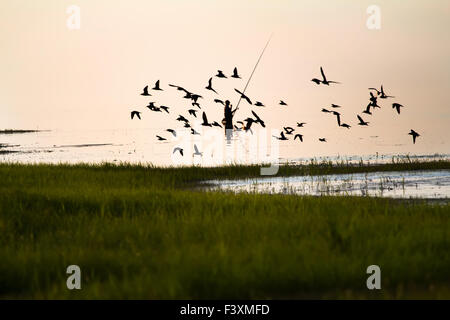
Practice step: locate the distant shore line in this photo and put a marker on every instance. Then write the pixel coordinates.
(13, 131)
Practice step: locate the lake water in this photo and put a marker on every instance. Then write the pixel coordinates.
(433, 184)
(140, 146)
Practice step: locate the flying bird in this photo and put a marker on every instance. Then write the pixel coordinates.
(181, 118)
(156, 87)
(219, 101)
(367, 111)
(414, 135)
(135, 113)
(216, 124)
(235, 74)
(151, 106)
(205, 120)
(160, 138)
(344, 125)
(220, 74)
(194, 132)
(322, 140)
(300, 124)
(259, 104)
(325, 110)
(335, 106)
(243, 96)
(145, 93)
(300, 137)
(282, 103)
(381, 93)
(324, 79)
(288, 130)
(196, 104)
(178, 149)
(249, 122)
(258, 119)
(197, 153)
(209, 87)
(281, 137)
(338, 117)
(397, 106)
(172, 132)
(192, 112)
(166, 109)
(362, 122)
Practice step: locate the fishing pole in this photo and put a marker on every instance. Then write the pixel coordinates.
(251, 75)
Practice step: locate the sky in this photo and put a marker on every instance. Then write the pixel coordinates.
(52, 77)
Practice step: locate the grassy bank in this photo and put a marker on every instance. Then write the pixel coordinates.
(141, 232)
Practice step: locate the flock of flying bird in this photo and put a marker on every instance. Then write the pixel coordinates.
(246, 124)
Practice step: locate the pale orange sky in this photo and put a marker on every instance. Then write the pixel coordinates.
(52, 77)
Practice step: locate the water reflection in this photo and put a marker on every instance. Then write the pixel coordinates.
(434, 184)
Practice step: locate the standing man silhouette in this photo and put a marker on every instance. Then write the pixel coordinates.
(228, 120)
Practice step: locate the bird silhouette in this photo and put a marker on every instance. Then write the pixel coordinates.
(367, 110)
(172, 132)
(243, 96)
(156, 87)
(196, 104)
(344, 125)
(381, 93)
(324, 79)
(300, 137)
(362, 122)
(373, 101)
(205, 120)
(288, 130)
(281, 137)
(135, 113)
(219, 101)
(335, 105)
(300, 124)
(166, 109)
(249, 121)
(282, 103)
(151, 106)
(178, 149)
(235, 74)
(414, 135)
(322, 139)
(338, 117)
(220, 74)
(194, 132)
(325, 110)
(181, 118)
(259, 104)
(194, 97)
(397, 106)
(187, 125)
(192, 112)
(216, 124)
(209, 87)
(145, 93)
(161, 138)
(197, 153)
(258, 119)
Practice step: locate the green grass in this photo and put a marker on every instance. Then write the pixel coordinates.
(143, 232)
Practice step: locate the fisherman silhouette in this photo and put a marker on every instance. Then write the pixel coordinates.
(228, 120)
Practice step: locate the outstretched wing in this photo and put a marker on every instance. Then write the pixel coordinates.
(205, 119)
(323, 74)
(360, 119)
